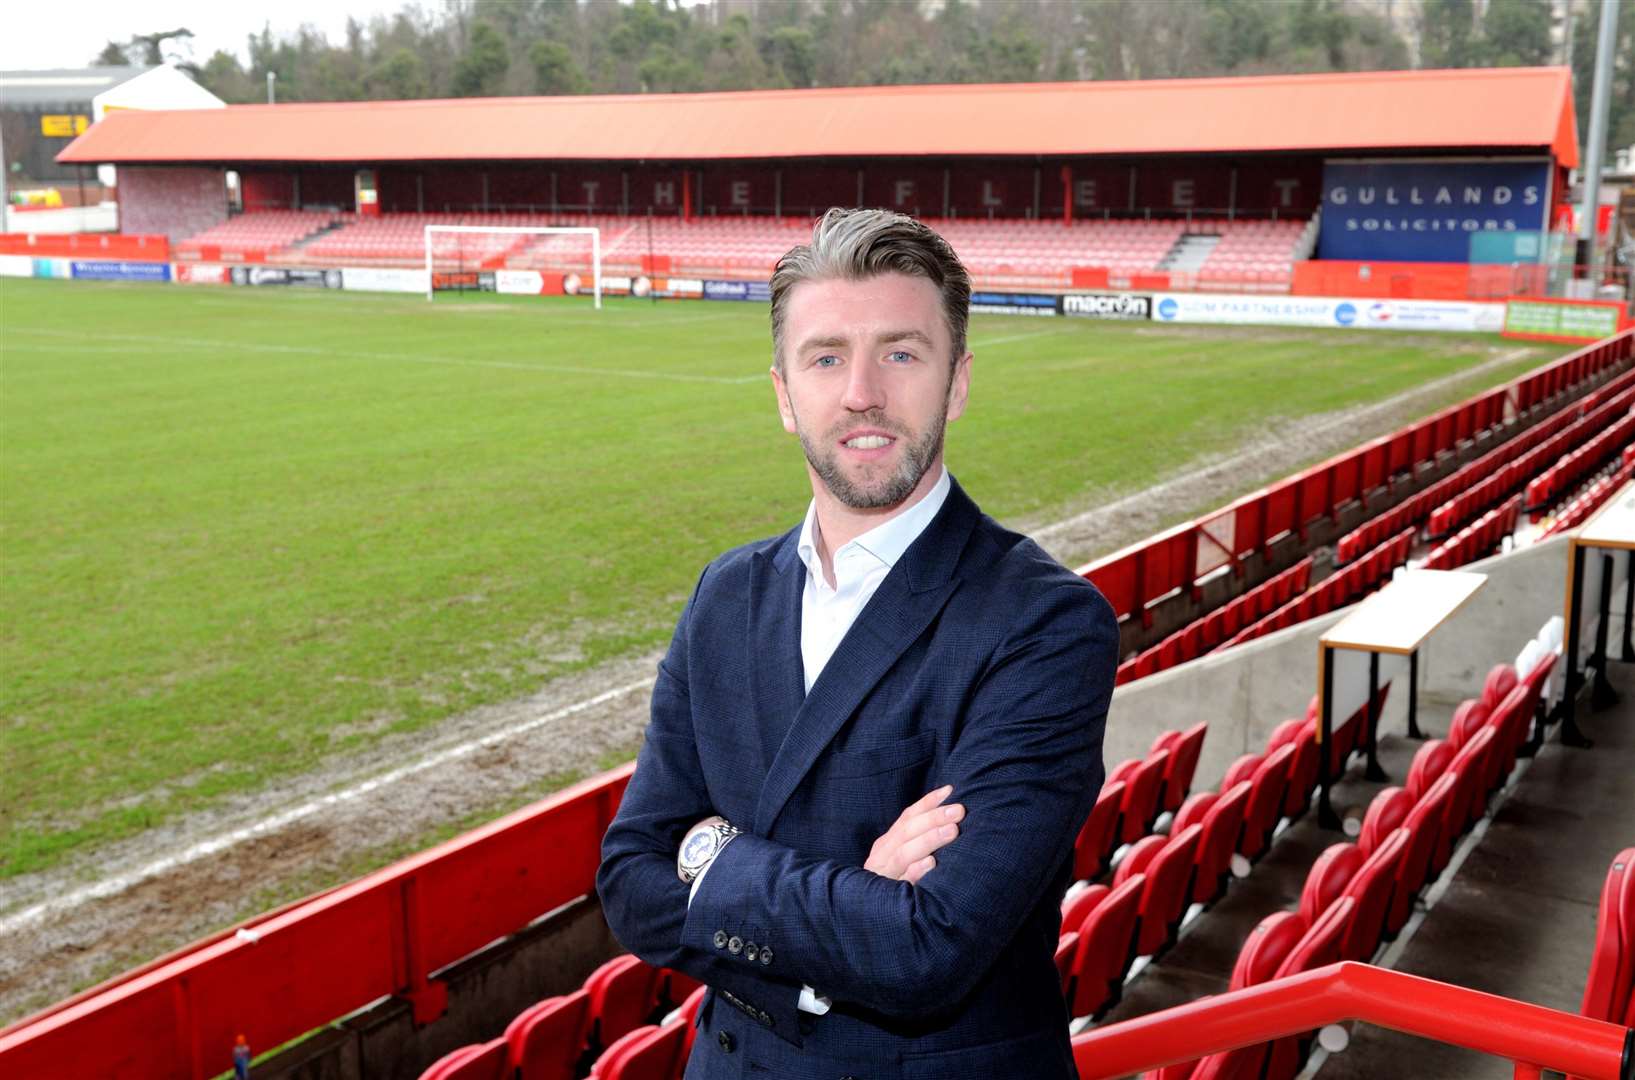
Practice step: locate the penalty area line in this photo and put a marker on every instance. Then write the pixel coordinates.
(273, 823)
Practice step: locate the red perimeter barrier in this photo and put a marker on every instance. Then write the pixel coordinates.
(1530, 1035)
(87, 246)
(329, 955)
(1132, 579)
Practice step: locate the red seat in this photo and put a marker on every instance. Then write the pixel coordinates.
(1472, 763)
(1240, 770)
(1142, 786)
(1426, 822)
(1067, 946)
(1099, 836)
(1270, 781)
(1302, 773)
(623, 993)
(1106, 947)
(1169, 884)
(1511, 719)
(1222, 821)
(1320, 946)
(1501, 679)
(650, 1052)
(1608, 993)
(1386, 813)
(484, 1061)
(1327, 880)
(689, 1020)
(1468, 719)
(1371, 889)
(1184, 747)
(1283, 733)
(547, 1039)
(1430, 761)
(1263, 951)
(1077, 908)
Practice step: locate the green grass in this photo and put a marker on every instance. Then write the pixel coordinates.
(243, 530)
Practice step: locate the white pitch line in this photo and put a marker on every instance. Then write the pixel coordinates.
(119, 883)
(983, 343)
(231, 347)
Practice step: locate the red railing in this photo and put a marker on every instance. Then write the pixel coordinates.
(1178, 559)
(1532, 1036)
(286, 975)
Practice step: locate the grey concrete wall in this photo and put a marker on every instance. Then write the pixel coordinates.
(1247, 691)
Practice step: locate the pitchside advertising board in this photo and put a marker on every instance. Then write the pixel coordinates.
(1562, 320)
(1426, 211)
(1353, 313)
(121, 271)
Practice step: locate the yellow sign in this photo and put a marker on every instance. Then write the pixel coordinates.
(63, 127)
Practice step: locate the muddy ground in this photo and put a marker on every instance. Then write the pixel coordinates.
(102, 913)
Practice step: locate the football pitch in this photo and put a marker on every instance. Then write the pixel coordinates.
(245, 530)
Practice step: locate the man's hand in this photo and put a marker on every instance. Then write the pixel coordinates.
(905, 852)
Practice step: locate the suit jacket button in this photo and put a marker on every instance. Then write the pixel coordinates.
(750, 951)
(724, 1040)
(766, 1018)
(735, 945)
(720, 939)
(766, 955)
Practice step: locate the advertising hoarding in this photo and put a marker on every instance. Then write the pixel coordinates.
(737, 290)
(300, 276)
(200, 274)
(16, 266)
(1562, 320)
(1122, 306)
(382, 279)
(110, 270)
(1355, 313)
(995, 303)
(1426, 211)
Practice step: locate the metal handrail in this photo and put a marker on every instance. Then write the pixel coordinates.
(1532, 1036)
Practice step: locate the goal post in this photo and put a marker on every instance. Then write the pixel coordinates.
(433, 231)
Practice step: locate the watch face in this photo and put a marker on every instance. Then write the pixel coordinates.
(698, 847)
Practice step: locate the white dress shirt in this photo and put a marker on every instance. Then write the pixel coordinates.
(827, 613)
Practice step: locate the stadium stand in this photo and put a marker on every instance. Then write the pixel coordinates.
(1250, 256)
(1609, 991)
(255, 237)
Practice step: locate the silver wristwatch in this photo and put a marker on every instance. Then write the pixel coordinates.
(701, 846)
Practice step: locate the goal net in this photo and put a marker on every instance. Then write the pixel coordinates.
(513, 258)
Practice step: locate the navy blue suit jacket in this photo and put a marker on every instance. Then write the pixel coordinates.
(979, 662)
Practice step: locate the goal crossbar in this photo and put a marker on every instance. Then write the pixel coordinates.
(591, 231)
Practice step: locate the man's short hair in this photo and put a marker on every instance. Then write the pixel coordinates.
(854, 245)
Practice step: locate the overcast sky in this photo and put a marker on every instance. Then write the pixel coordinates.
(51, 35)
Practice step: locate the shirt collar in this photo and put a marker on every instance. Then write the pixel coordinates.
(886, 541)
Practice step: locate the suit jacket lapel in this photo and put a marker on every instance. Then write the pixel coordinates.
(772, 632)
(907, 600)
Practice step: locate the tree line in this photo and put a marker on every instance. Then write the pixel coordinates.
(476, 48)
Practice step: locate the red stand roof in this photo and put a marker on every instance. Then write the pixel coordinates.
(1507, 109)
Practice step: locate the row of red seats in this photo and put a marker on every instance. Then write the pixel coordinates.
(1106, 927)
(1544, 489)
(1477, 539)
(1205, 633)
(1359, 895)
(1609, 993)
(1334, 591)
(1589, 500)
(1544, 441)
(629, 1021)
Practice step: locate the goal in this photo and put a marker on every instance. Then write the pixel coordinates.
(458, 255)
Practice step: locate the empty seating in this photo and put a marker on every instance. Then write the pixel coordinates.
(486, 1061)
(623, 994)
(1168, 868)
(1222, 819)
(1105, 947)
(1100, 833)
(1609, 992)
(1184, 748)
(548, 1039)
(1143, 782)
(650, 1052)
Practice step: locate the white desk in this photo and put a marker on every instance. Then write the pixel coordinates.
(1392, 623)
(1600, 559)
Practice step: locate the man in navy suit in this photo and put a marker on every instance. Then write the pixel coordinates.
(875, 737)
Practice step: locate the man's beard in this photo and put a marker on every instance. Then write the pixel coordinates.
(885, 491)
